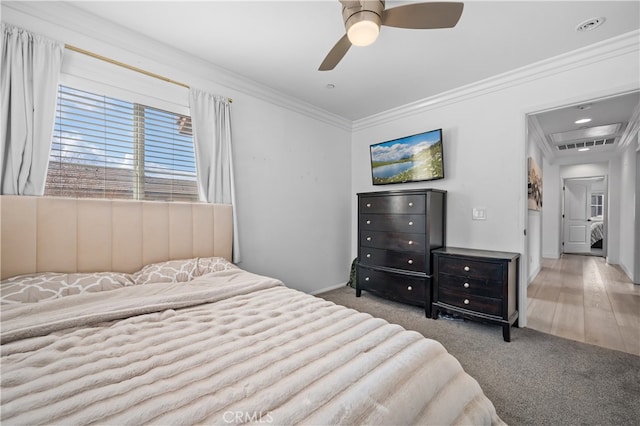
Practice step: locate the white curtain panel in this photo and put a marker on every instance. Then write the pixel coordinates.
(211, 123)
(29, 84)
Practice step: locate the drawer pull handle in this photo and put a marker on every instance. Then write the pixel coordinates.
(410, 204)
(466, 285)
(466, 268)
(368, 205)
(466, 301)
(368, 238)
(410, 223)
(368, 254)
(409, 288)
(410, 242)
(368, 222)
(410, 261)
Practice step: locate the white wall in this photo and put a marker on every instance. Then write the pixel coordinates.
(481, 168)
(614, 227)
(552, 217)
(291, 160)
(629, 217)
(292, 183)
(484, 142)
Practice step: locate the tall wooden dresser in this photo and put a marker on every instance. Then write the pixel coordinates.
(397, 230)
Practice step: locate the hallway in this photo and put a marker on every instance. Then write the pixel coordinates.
(583, 298)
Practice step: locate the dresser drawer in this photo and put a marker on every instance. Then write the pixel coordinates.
(406, 260)
(470, 268)
(486, 305)
(392, 223)
(471, 286)
(401, 204)
(393, 241)
(395, 286)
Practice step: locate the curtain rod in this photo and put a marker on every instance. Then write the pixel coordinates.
(127, 66)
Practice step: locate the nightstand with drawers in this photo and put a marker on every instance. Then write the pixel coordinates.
(477, 284)
(397, 231)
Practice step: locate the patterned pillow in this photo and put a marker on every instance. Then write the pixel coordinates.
(180, 270)
(51, 285)
(214, 264)
(34, 288)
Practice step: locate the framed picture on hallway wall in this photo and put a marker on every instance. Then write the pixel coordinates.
(535, 185)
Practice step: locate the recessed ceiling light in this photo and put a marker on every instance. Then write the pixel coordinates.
(583, 149)
(590, 24)
(583, 120)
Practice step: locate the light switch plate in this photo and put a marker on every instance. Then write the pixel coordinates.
(479, 213)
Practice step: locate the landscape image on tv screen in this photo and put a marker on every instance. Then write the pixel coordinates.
(410, 159)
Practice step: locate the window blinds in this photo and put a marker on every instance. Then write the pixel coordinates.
(109, 148)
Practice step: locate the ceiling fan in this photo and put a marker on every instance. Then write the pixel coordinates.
(362, 20)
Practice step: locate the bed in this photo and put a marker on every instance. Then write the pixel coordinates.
(597, 234)
(155, 339)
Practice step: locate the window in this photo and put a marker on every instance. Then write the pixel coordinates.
(597, 205)
(110, 148)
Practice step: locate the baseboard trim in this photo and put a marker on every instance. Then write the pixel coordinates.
(534, 274)
(554, 255)
(626, 271)
(325, 289)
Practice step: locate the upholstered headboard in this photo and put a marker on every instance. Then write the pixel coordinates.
(45, 234)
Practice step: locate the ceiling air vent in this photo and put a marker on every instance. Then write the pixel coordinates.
(590, 24)
(587, 133)
(586, 144)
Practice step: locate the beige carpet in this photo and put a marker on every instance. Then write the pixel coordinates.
(536, 379)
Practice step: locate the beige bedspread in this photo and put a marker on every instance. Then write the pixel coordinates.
(228, 347)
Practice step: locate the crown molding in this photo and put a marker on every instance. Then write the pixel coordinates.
(630, 134)
(613, 47)
(113, 41)
(539, 138)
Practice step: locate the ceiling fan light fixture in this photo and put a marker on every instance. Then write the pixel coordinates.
(363, 28)
(363, 19)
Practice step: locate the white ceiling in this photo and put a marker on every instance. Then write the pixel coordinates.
(280, 44)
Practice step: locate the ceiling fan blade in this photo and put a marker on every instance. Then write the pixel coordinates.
(423, 15)
(336, 54)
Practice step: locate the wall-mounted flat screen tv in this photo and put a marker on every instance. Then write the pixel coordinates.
(412, 158)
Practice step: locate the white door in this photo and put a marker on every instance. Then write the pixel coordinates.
(577, 223)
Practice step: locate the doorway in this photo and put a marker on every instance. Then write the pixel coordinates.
(584, 216)
(570, 142)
